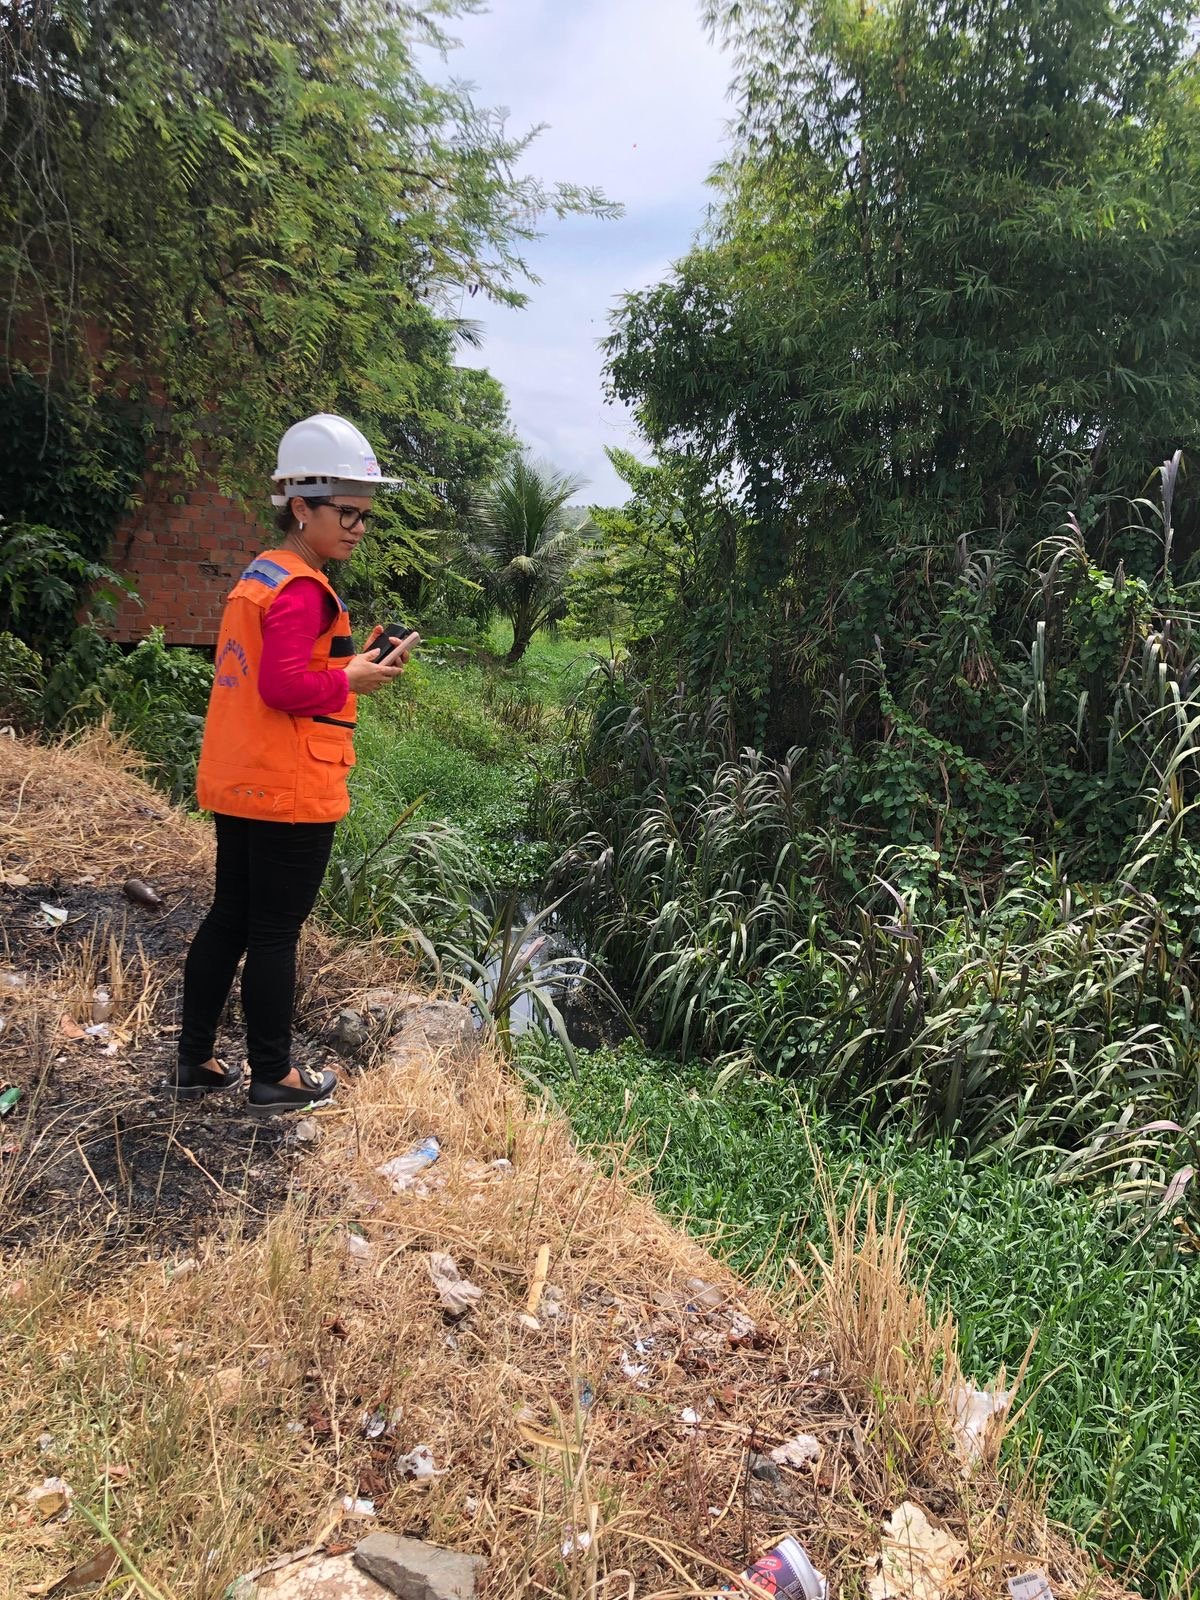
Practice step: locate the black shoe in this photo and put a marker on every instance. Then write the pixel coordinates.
(191, 1082)
(270, 1099)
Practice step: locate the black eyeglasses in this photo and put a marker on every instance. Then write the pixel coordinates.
(348, 516)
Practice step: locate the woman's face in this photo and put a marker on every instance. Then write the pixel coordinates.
(332, 531)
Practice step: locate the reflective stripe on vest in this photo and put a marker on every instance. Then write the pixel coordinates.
(255, 761)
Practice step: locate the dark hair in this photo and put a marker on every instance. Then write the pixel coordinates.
(285, 521)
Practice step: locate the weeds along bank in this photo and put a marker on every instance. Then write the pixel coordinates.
(1110, 1399)
(214, 1394)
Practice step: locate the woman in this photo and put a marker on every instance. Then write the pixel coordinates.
(277, 751)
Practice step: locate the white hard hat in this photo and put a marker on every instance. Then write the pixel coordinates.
(325, 454)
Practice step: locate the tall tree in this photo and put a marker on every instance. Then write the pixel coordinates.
(953, 241)
(520, 543)
(235, 212)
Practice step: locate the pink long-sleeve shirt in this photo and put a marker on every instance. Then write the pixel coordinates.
(297, 617)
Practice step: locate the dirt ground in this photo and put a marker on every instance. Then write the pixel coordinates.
(232, 1344)
(98, 1143)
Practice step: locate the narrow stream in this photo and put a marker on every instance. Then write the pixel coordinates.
(559, 956)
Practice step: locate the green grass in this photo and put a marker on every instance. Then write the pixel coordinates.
(1114, 1384)
(461, 734)
(554, 667)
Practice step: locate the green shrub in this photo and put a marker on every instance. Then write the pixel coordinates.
(22, 683)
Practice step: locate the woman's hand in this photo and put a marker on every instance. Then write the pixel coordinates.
(364, 674)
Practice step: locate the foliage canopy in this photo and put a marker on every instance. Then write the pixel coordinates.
(234, 213)
(952, 242)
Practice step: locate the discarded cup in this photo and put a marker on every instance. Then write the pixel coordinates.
(785, 1571)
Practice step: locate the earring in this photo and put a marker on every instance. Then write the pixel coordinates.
(301, 527)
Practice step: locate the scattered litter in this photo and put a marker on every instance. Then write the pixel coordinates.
(294, 1427)
(8, 1100)
(574, 1542)
(541, 1268)
(785, 1570)
(978, 1416)
(12, 980)
(418, 1464)
(741, 1328)
(451, 1341)
(532, 1323)
(916, 1561)
(305, 1131)
(374, 1424)
(357, 1508)
(94, 1570)
(690, 1419)
(402, 1171)
(182, 1269)
(357, 1248)
(703, 1296)
(631, 1369)
(45, 1442)
(227, 1383)
(50, 1498)
(141, 894)
(802, 1451)
(457, 1294)
(1031, 1586)
(762, 1468)
(97, 1030)
(69, 1028)
(471, 1505)
(54, 916)
(102, 1005)
(587, 1395)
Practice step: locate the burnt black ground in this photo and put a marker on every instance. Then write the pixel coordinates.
(98, 1144)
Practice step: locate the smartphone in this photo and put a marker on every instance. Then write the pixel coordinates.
(394, 633)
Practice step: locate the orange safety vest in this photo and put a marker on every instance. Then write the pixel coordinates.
(265, 764)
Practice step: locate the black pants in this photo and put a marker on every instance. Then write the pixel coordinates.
(268, 877)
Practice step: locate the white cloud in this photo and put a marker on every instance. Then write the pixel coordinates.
(634, 95)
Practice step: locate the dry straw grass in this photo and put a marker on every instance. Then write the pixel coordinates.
(212, 1414)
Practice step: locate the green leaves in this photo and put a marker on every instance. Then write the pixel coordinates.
(260, 210)
(520, 543)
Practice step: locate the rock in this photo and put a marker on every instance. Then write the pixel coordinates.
(415, 1570)
(318, 1578)
(349, 1033)
(384, 1006)
(762, 1468)
(438, 1029)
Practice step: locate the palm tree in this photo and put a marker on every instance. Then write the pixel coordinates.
(520, 544)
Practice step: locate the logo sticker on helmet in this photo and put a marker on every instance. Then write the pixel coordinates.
(370, 467)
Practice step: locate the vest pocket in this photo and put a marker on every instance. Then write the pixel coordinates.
(339, 752)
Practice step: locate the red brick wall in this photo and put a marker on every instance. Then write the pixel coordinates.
(184, 559)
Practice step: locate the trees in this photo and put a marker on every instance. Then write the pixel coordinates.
(236, 213)
(520, 543)
(954, 241)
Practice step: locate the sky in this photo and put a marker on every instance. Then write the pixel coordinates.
(634, 95)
